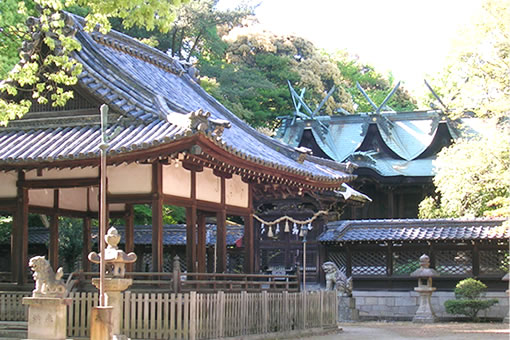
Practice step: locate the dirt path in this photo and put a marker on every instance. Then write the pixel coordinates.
(408, 330)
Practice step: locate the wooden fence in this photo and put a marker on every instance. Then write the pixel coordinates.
(11, 308)
(199, 316)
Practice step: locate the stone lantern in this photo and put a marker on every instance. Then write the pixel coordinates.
(425, 314)
(114, 283)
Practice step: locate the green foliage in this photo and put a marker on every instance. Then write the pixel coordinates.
(171, 214)
(5, 228)
(377, 86)
(476, 77)
(406, 268)
(70, 246)
(469, 308)
(47, 69)
(469, 289)
(472, 177)
(468, 293)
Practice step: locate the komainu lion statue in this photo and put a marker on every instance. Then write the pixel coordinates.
(47, 283)
(335, 279)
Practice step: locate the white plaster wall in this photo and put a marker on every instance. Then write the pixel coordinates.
(8, 184)
(87, 172)
(94, 201)
(130, 178)
(73, 199)
(94, 198)
(403, 305)
(41, 197)
(116, 207)
(208, 186)
(176, 181)
(236, 192)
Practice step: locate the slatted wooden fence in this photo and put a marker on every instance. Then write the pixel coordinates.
(200, 316)
(11, 308)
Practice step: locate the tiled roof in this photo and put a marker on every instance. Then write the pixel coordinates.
(153, 97)
(415, 230)
(174, 234)
(407, 136)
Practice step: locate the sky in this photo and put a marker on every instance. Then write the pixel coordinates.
(409, 38)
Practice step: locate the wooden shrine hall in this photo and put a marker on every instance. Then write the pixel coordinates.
(170, 143)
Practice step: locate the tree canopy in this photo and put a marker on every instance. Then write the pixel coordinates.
(46, 68)
(473, 174)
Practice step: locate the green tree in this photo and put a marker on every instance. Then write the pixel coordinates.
(468, 300)
(374, 83)
(477, 75)
(46, 68)
(473, 175)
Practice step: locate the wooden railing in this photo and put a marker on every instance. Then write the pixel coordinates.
(11, 308)
(177, 282)
(199, 316)
(206, 316)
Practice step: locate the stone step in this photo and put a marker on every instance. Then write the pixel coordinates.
(13, 330)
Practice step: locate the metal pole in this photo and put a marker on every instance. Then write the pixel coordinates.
(102, 204)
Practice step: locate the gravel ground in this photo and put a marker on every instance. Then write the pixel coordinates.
(408, 330)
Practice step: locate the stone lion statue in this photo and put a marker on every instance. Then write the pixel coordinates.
(335, 279)
(47, 283)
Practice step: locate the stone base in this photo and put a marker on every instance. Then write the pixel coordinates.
(347, 311)
(47, 318)
(428, 318)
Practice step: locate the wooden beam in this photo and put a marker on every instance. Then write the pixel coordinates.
(87, 244)
(201, 246)
(129, 242)
(130, 198)
(59, 183)
(157, 218)
(20, 242)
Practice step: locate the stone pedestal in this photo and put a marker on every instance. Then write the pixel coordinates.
(347, 311)
(113, 288)
(47, 317)
(425, 314)
(101, 327)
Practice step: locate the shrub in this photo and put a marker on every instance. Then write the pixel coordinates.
(467, 299)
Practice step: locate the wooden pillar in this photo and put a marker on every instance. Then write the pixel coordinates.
(389, 259)
(191, 239)
(14, 248)
(53, 244)
(210, 260)
(348, 270)
(475, 256)
(248, 243)
(157, 217)
(391, 204)
(201, 244)
(87, 244)
(322, 258)
(53, 239)
(129, 219)
(19, 250)
(221, 241)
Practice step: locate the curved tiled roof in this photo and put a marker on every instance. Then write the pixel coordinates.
(415, 230)
(407, 136)
(153, 97)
